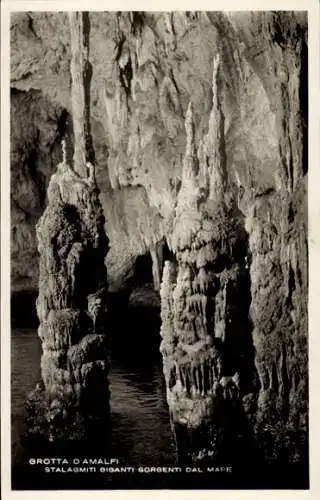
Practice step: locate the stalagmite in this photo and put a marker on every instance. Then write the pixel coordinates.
(80, 95)
(203, 230)
(218, 174)
(72, 283)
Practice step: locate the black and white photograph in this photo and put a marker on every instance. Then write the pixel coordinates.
(159, 250)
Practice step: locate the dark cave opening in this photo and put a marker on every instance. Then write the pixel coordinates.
(142, 271)
(238, 348)
(134, 317)
(135, 309)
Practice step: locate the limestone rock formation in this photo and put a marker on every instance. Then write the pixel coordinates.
(71, 301)
(138, 128)
(72, 244)
(206, 289)
(37, 127)
(146, 68)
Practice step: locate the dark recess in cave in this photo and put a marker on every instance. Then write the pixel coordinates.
(137, 325)
(138, 20)
(142, 271)
(23, 309)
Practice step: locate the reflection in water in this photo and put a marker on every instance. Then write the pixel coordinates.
(25, 373)
(141, 432)
(140, 420)
(140, 427)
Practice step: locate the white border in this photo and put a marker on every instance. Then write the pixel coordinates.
(314, 238)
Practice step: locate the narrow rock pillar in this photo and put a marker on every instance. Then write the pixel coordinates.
(81, 72)
(72, 285)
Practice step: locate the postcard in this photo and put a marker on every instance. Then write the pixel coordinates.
(159, 232)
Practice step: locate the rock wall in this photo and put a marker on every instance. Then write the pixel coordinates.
(37, 127)
(147, 68)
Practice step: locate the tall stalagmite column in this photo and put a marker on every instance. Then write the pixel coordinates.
(206, 347)
(81, 72)
(72, 285)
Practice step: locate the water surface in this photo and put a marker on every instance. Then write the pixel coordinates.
(140, 421)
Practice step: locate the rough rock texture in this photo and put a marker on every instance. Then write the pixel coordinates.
(205, 294)
(147, 68)
(37, 127)
(72, 280)
(71, 301)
